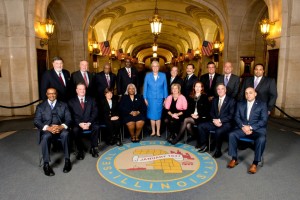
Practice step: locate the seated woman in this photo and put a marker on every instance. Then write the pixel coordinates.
(133, 112)
(175, 105)
(197, 112)
(110, 115)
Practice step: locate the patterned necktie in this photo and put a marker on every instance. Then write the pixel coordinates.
(82, 103)
(51, 105)
(85, 79)
(226, 80)
(60, 79)
(255, 82)
(129, 74)
(210, 81)
(107, 80)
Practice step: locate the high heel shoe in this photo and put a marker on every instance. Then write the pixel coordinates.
(158, 135)
(152, 134)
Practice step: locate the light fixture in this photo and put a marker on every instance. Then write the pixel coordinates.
(113, 54)
(197, 54)
(154, 55)
(154, 47)
(265, 31)
(217, 44)
(95, 45)
(155, 22)
(49, 25)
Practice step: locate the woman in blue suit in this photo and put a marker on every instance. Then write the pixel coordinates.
(155, 91)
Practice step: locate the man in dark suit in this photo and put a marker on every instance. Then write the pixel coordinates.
(103, 80)
(84, 113)
(264, 86)
(173, 77)
(222, 113)
(189, 80)
(126, 75)
(231, 81)
(82, 76)
(251, 118)
(57, 78)
(209, 80)
(53, 118)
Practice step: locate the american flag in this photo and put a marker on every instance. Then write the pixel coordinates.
(105, 49)
(207, 48)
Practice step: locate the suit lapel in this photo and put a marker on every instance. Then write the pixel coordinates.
(261, 82)
(55, 77)
(252, 109)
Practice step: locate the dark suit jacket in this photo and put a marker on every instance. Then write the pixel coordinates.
(177, 79)
(50, 79)
(89, 114)
(257, 119)
(202, 108)
(233, 85)
(205, 80)
(123, 80)
(44, 115)
(188, 85)
(126, 106)
(227, 110)
(106, 112)
(100, 83)
(76, 78)
(266, 90)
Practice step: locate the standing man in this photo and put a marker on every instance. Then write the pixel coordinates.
(231, 81)
(82, 76)
(126, 75)
(173, 77)
(189, 80)
(57, 78)
(209, 80)
(222, 113)
(264, 86)
(53, 118)
(251, 118)
(84, 113)
(103, 80)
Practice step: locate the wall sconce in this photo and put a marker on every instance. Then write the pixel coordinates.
(113, 54)
(265, 31)
(95, 45)
(197, 54)
(217, 45)
(49, 24)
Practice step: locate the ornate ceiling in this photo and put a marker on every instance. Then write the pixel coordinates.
(125, 24)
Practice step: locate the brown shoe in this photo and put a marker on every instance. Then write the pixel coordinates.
(232, 164)
(252, 169)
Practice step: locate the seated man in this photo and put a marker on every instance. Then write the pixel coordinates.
(251, 118)
(84, 113)
(52, 118)
(222, 112)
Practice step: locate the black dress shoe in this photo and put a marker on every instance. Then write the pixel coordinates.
(80, 155)
(67, 166)
(217, 154)
(119, 143)
(48, 170)
(94, 152)
(203, 149)
(173, 142)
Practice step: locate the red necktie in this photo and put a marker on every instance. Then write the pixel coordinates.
(60, 79)
(82, 103)
(108, 81)
(85, 79)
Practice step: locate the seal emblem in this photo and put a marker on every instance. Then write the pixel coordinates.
(156, 167)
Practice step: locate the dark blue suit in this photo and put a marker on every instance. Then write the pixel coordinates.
(225, 115)
(50, 80)
(60, 114)
(257, 120)
(100, 83)
(89, 114)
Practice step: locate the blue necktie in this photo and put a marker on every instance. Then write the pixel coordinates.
(226, 80)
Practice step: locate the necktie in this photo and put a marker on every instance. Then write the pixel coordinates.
(107, 80)
(248, 110)
(220, 105)
(171, 80)
(255, 82)
(226, 80)
(129, 74)
(51, 105)
(60, 79)
(85, 79)
(82, 103)
(210, 81)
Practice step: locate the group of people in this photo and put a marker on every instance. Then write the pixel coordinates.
(77, 104)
